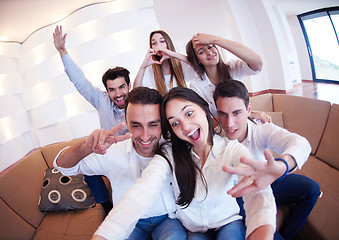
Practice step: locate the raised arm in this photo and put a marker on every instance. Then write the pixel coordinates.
(246, 54)
(148, 60)
(60, 41)
(97, 142)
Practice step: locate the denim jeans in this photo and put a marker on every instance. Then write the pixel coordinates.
(158, 228)
(98, 188)
(300, 194)
(234, 230)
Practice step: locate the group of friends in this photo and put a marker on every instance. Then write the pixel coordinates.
(182, 150)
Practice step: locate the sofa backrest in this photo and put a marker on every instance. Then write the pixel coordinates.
(305, 116)
(49, 152)
(329, 146)
(262, 102)
(20, 188)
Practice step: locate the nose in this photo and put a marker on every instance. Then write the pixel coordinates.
(184, 125)
(229, 121)
(118, 92)
(145, 136)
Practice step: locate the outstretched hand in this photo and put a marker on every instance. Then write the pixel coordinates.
(59, 39)
(100, 140)
(256, 174)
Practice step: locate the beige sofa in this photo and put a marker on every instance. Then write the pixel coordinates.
(20, 184)
(318, 121)
(20, 218)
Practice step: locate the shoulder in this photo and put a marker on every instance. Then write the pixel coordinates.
(223, 145)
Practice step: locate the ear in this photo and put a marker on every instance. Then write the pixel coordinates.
(126, 121)
(249, 109)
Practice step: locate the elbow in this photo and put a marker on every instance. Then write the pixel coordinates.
(257, 66)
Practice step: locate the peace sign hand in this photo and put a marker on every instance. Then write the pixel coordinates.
(100, 140)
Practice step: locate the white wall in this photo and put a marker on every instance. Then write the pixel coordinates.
(39, 105)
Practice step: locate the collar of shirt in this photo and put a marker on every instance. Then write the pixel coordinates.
(206, 81)
(215, 151)
(249, 132)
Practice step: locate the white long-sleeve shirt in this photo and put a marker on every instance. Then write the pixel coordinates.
(270, 136)
(213, 210)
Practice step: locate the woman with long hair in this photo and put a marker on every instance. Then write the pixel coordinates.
(194, 159)
(205, 58)
(163, 68)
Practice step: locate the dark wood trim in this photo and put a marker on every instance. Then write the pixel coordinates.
(272, 91)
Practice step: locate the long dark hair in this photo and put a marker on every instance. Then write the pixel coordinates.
(223, 69)
(185, 169)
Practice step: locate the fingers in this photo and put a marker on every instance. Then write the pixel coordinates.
(97, 139)
(269, 157)
(115, 139)
(116, 129)
(240, 170)
(245, 182)
(255, 165)
(100, 140)
(243, 191)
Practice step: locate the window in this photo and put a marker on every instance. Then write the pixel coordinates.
(321, 29)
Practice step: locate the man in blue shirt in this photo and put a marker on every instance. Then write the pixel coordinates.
(109, 104)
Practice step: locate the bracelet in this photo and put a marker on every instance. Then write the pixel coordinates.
(287, 169)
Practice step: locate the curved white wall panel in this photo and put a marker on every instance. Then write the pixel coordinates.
(41, 104)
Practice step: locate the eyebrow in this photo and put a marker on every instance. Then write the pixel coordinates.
(151, 122)
(153, 40)
(180, 111)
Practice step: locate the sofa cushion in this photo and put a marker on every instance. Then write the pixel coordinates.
(328, 149)
(12, 226)
(61, 192)
(262, 102)
(20, 187)
(277, 118)
(50, 151)
(323, 221)
(74, 224)
(304, 116)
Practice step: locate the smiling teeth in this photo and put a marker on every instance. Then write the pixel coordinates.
(192, 132)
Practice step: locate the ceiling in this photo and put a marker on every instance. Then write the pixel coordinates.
(20, 18)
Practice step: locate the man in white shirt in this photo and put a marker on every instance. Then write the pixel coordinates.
(297, 192)
(102, 153)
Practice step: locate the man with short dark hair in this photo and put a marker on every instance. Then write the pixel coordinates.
(109, 104)
(122, 163)
(300, 193)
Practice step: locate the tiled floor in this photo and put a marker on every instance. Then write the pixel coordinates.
(323, 91)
